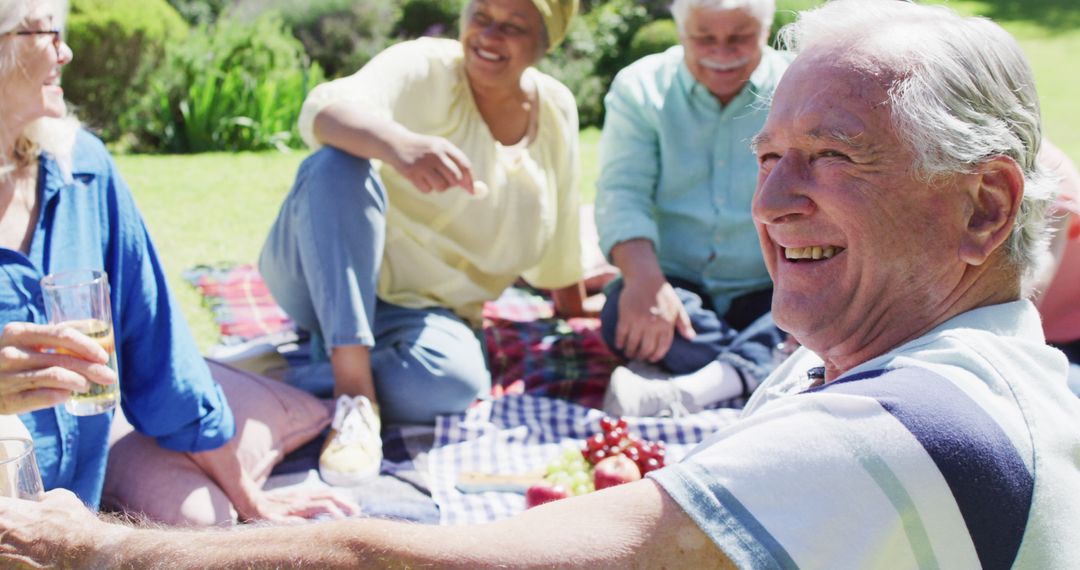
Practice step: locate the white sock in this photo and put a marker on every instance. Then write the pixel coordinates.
(715, 382)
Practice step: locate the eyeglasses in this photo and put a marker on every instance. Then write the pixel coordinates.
(56, 41)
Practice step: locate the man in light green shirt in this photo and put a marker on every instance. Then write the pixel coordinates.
(673, 210)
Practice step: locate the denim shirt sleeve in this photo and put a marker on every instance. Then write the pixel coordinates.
(629, 165)
(167, 390)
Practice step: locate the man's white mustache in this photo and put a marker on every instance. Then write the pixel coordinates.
(720, 66)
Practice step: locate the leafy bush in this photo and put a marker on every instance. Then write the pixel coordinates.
(655, 8)
(787, 12)
(200, 11)
(342, 35)
(593, 52)
(231, 86)
(116, 43)
(654, 37)
(429, 18)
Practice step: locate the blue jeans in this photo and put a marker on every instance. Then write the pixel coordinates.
(321, 263)
(744, 338)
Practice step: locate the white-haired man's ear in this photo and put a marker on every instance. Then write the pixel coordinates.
(995, 196)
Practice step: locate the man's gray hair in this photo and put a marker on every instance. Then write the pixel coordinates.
(763, 10)
(962, 93)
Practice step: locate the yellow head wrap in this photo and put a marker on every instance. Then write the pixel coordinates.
(557, 15)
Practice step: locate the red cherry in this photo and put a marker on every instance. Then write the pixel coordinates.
(607, 423)
(621, 423)
(597, 456)
(651, 464)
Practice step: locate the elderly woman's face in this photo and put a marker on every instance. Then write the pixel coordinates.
(501, 39)
(31, 89)
(857, 246)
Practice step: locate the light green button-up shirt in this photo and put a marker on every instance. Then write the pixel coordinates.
(676, 168)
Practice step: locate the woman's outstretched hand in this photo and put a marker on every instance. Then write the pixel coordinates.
(432, 164)
(297, 505)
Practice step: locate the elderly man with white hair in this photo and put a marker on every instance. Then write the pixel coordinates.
(673, 213)
(923, 423)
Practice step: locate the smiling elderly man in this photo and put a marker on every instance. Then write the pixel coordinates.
(673, 212)
(925, 423)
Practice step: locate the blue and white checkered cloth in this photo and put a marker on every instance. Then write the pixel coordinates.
(523, 434)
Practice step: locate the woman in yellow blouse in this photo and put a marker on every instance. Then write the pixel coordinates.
(448, 171)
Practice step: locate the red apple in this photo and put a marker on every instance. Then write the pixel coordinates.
(544, 493)
(615, 470)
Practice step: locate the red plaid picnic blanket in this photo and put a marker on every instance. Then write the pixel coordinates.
(242, 306)
(530, 351)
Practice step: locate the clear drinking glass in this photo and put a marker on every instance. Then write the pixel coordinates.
(19, 476)
(80, 299)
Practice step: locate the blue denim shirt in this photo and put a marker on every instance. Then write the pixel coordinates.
(90, 221)
(676, 169)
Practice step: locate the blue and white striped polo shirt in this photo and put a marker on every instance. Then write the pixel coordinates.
(960, 449)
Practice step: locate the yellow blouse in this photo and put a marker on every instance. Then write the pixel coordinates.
(449, 248)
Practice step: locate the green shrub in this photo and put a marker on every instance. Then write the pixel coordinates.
(654, 37)
(342, 35)
(232, 86)
(787, 12)
(593, 53)
(655, 8)
(116, 43)
(200, 11)
(429, 18)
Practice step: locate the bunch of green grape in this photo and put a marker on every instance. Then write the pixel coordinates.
(571, 472)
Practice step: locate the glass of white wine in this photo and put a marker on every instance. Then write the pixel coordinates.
(80, 299)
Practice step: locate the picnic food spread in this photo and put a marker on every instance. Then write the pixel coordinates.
(610, 457)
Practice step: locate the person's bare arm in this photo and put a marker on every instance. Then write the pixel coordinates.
(1041, 282)
(1068, 189)
(431, 163)
(223, 466)
(631, 526)
(649, 309)
(570, 301)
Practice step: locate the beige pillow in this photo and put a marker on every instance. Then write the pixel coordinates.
(165, 486)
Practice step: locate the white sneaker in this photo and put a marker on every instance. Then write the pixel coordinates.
(630, 394)
(353, 450)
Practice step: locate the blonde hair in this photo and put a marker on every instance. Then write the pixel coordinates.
(55, 136)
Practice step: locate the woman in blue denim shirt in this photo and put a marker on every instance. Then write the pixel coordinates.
(64, 206)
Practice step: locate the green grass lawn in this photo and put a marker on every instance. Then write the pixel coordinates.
(207, 208)
(218, 207)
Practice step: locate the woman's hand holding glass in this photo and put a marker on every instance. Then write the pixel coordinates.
(41, 365)
(432, 164)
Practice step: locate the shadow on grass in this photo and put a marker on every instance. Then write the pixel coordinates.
(1054, 15)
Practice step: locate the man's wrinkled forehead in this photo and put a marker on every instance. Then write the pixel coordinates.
(825, 96)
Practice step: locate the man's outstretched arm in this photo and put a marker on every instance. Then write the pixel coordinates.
(634, 525)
